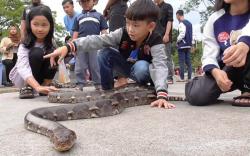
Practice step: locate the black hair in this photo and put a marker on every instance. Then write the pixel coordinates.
(66, 1)
(36, 4)
(220, 4)
(30, 38)
(143, 10)
(180, 12)
(81, 1)
(12, 24)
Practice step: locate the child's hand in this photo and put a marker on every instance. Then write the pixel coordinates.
(52, 62)
(165, 38)
(162, 103)
(46, 89)
(236, 55)
(222, 79)
(61, 51)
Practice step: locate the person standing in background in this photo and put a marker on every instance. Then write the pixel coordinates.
(71, 14)
(114, 12)
(164, 28)
(184, 44)
(89, 22)
(8, 47)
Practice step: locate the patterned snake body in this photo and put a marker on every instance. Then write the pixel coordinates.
(72, 95)
(43, 120)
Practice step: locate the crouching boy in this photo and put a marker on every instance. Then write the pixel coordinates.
(140, 53)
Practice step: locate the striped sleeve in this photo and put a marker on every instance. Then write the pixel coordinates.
(211, 48)
(162, 94)
(95, 42)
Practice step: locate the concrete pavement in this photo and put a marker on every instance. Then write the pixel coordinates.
(219, 129)
(7, 89)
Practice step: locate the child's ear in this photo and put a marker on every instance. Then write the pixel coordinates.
(151, 26)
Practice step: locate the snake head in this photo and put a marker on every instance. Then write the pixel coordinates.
(63, 139)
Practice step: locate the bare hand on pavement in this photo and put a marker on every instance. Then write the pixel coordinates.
(162, 103)
(46, 89)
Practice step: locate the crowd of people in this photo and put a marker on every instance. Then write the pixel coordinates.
(134, 44)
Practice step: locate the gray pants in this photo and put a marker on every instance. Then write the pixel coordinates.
(203, 90)
(116, 17)
(84, 61)
(169, 61)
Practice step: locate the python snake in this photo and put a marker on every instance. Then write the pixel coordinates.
(92, 105)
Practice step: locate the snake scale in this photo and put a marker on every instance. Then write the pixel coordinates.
(91, 104)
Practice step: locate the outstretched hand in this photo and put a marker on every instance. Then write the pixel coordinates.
(61, 51)
(52, 62)
(162, 103)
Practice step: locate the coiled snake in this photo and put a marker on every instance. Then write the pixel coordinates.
(92, 104)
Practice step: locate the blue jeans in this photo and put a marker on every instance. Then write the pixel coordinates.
(184, 57)
(111, 60)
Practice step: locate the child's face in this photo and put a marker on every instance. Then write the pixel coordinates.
(139, 30)
(40, 27)
(68, 9)
(87, 4)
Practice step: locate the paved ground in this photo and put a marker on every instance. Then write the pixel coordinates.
(219, 129)
(7, 89)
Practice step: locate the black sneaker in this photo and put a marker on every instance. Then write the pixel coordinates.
(8, 84)
(26, 93)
